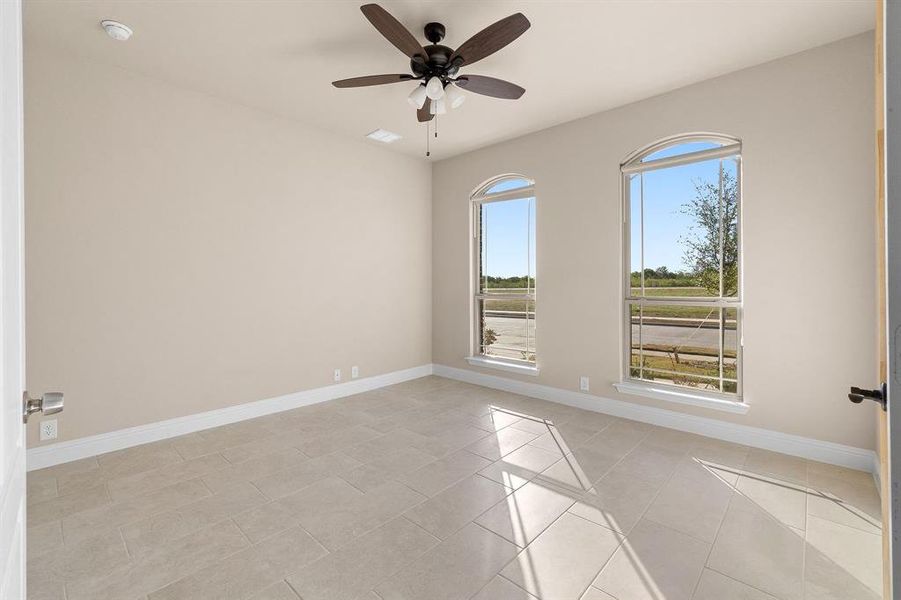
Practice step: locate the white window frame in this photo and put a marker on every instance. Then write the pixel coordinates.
(479, 198)
(732, 402)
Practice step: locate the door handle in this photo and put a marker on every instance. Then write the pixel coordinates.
(857, 395)
(49, 404)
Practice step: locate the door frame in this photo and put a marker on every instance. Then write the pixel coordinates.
(12, 372)
(889, 47)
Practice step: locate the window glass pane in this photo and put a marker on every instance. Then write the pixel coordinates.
(508, 246)
(635, 233)
(730, 350)
(507, 328)
(681, 209)
(731, 200)
(684, 148)
(680, 345)
(635, 341)
(507, 185)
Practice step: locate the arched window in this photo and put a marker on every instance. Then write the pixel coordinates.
(682, 309)
(503, 270)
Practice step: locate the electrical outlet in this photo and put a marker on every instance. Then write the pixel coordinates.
(337, 375)
(354, 372)
(583, 383)
(48, 430)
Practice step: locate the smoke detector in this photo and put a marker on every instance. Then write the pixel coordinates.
(116, 30)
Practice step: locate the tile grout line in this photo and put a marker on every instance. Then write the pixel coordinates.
(206, 486)
(438, 540)
(195, 571)
(609, 558)
(745, 583)
(291, 587)
(716, 536)
(513, 583)
(370, 530)
(648, 508)
(418, 526)
(315, 539)
(241, 531)
(128, 551)
(257, 488)
(807, 488)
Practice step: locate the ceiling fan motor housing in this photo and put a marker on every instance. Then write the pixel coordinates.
(438, 64)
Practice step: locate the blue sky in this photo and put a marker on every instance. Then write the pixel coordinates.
(509, 238)
(665, 192)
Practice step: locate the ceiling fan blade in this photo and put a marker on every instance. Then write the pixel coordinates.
(423, 114)
(489, 86)
(491, 39)
(370, 80)
(394, 31)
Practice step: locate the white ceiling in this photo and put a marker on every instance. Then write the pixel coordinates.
(578, 58)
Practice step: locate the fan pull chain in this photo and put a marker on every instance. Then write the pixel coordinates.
(436, 125)
(427, 153)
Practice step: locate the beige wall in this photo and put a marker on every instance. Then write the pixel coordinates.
(185, 253)
(806, 123)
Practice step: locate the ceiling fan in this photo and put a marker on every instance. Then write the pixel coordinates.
(436, 66)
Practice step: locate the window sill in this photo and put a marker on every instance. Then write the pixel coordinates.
(502, 365)
(672, 395)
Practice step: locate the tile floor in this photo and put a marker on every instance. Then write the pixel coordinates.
(434, 489)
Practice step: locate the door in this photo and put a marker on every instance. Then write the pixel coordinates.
(12, 429)
(888, 211)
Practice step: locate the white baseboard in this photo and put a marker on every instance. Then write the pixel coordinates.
(62, 452)
(809, 448)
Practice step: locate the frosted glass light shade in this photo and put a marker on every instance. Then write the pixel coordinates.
(434, 89)
(454, 96)
(417, 97)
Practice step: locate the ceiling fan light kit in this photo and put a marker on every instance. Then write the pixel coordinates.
(436, 66)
